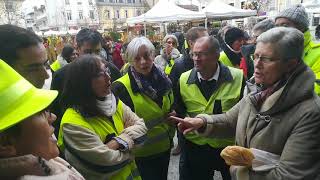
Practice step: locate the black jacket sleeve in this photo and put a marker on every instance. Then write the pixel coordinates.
(120, 91)
(115, 73)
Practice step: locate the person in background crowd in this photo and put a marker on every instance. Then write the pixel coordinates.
(248, 50)
(221, 33)
(168, 55)
(116, 56)
(98, 131)
(148, 92)
(231, 56)
(213, 88)
(67, 55)
(297, 17)
(180, 37)
(28, 148)
(23, 51)
(278, 116)
(107, 48)
(88, 42)
(185, 63)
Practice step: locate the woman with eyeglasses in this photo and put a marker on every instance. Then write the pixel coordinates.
(148, 92)
(276, 124)
(98, 131)
(168, 55)
(28, 148)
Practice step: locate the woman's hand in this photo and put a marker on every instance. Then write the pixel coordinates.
(169, 49)
(113, 144)
(187, 125)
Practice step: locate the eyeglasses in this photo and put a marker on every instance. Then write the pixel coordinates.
(264, 59)
(104, 72)
(199, 54)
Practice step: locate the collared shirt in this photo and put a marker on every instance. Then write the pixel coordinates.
(215, 75)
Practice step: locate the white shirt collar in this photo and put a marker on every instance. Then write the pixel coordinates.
(215, 75)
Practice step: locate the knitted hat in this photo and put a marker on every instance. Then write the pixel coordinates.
(232, 35)
(297, 14)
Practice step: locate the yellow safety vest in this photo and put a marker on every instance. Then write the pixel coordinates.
(168, 68)
(55, 66)
(159, 133)
(102, 127)
(312, 57)
(228, 93)
(225, 60)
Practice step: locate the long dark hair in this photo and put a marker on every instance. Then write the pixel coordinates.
(77, 92)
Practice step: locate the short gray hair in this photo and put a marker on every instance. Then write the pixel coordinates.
(134, 46)
(172, 37)
(288, 42)
(264, 25)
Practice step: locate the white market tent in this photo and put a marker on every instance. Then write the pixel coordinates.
(221, 11)
(51, 33)
(166, 11)
(73, 31)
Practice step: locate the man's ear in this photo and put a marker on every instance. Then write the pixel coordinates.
(7, 151)
(190, 43)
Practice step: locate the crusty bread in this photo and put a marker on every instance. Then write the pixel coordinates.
(237, 155)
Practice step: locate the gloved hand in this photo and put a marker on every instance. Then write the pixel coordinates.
(237, 155)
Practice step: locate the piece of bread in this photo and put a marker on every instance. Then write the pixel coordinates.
(237, 155)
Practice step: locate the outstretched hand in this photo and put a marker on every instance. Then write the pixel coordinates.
(187, 125)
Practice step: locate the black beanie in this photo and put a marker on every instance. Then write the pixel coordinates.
(232, 35)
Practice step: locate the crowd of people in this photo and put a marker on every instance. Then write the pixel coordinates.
(245, 106)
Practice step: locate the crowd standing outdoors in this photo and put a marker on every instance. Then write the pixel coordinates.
(248, 108)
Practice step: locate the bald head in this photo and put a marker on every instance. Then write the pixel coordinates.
(212, 43)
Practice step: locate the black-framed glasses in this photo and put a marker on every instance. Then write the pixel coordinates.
(264, 59)
(199, 54)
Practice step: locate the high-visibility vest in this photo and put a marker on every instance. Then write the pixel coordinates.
(102, 127)
(225, 60)
(159, 133)
(55, 66)
(228, 94)
(168, 68)
(311, 57)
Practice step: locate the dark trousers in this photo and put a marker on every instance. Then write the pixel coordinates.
(199, 162)
(154, 167)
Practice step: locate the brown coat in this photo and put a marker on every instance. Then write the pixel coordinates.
(293, 131)
(28, 168)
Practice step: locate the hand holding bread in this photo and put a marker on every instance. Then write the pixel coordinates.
(237, 155)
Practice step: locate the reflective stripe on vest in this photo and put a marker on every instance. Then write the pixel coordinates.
(228, 94)
(55, 66)
(102, 127)
(168, 68)
(159, 133)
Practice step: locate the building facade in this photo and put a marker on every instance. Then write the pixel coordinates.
(61, 15)
(113, 13)
(11, 13)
